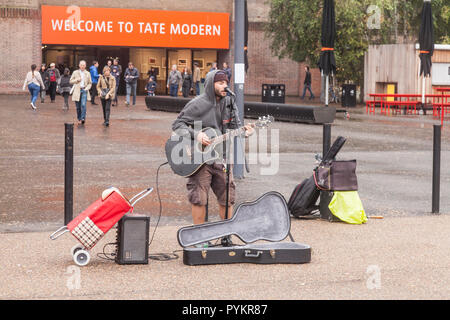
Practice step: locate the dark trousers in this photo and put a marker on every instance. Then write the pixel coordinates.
(52, 89)
(66, 99)
(93, 92)
(186, 91)
(173, 90)
(307, 87)
(106, 106)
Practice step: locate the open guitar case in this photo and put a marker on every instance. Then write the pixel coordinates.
(266, 219)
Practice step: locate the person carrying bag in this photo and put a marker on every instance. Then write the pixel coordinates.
(106, 87)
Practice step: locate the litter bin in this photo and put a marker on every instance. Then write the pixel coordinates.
(273, 93)
(349, 95)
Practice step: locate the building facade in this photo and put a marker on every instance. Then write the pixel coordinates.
(149, 33)
(394, 68)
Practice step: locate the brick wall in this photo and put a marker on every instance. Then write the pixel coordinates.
(20, 48)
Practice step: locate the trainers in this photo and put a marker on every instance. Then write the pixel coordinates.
(32, 106)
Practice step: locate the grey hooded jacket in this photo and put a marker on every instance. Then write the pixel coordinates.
(205, 111)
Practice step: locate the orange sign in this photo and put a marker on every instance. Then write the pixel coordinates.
(134, 28)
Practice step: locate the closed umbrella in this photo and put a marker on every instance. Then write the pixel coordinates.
(426, 43)
(327, 62)
(246, 37)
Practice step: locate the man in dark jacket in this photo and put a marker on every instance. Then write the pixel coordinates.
(116, 71)
(212, 109)
(307, 84)
(131, 76)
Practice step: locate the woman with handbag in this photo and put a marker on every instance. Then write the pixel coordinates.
(106, 87)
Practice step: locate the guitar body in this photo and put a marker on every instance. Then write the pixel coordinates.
(186, 156)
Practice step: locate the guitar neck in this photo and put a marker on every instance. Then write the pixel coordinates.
(229, 134)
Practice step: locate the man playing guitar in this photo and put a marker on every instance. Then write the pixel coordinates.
(216, 110)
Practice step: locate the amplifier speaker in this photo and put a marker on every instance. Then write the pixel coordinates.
(132, 240)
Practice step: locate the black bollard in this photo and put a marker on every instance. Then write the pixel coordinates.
(68, 173)
(326, 138)
(436, 168)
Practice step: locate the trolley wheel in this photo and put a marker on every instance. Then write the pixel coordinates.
(81, 257)
(75, 248)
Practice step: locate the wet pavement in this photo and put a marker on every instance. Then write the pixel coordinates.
(407, 251)
(394, 155)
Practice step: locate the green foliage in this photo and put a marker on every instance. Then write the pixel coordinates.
(294, 29)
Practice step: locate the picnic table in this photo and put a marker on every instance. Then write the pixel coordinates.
(408, 102)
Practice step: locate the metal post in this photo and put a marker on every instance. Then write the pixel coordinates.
(327, 89)
(436, 167)
(68, 173)
(326, 138)
(239, 79)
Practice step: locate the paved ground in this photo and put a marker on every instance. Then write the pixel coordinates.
(403, 256)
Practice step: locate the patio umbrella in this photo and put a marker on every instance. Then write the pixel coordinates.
(426, 43)
(327, 62)
(246, 37)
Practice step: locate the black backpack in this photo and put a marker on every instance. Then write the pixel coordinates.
(303, 200)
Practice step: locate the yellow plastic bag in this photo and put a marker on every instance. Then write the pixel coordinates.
(347, 206)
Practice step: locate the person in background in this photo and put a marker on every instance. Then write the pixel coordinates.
(53, 77)
(150, 87)
(94, 77)
(43, 72)
(131, 76)
(307, 84)
(116, 71)
(81, 80)
(34, 83)
(152, 73)
(187, 83)
(197, 78)
(108, 64)
(106, 87)
(65, 87)
(227, 70)
(213, 67)
(173, 81)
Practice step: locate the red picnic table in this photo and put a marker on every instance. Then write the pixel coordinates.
(409, 102)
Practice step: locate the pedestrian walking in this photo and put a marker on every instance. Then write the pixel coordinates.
(227, 70)
(197, 77)
(106, 87)
(53, 77)
(43, 72)
(94, 77)
(131, 76)
(65, 87)
(213, 66)
(187, 85)
(150, 87)
(116, 71)
(81, 81)
(174, 80)
(307, 84)
(34, 83)
(152, 73)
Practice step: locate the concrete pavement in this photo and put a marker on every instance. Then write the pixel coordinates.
(403, 256)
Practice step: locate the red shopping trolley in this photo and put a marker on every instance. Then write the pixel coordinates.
(94, 222)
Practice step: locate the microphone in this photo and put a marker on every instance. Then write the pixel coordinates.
(229, 91)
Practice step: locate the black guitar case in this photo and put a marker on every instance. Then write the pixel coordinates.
(266, 218)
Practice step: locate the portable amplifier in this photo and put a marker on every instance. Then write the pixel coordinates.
(132, 240)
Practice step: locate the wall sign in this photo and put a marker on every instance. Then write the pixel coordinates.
(134, 28)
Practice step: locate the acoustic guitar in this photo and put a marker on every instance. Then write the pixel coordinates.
(186, 156)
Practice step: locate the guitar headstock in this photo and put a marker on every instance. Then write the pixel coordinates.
(264, 121)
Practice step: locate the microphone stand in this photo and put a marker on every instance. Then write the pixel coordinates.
(226, 241)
